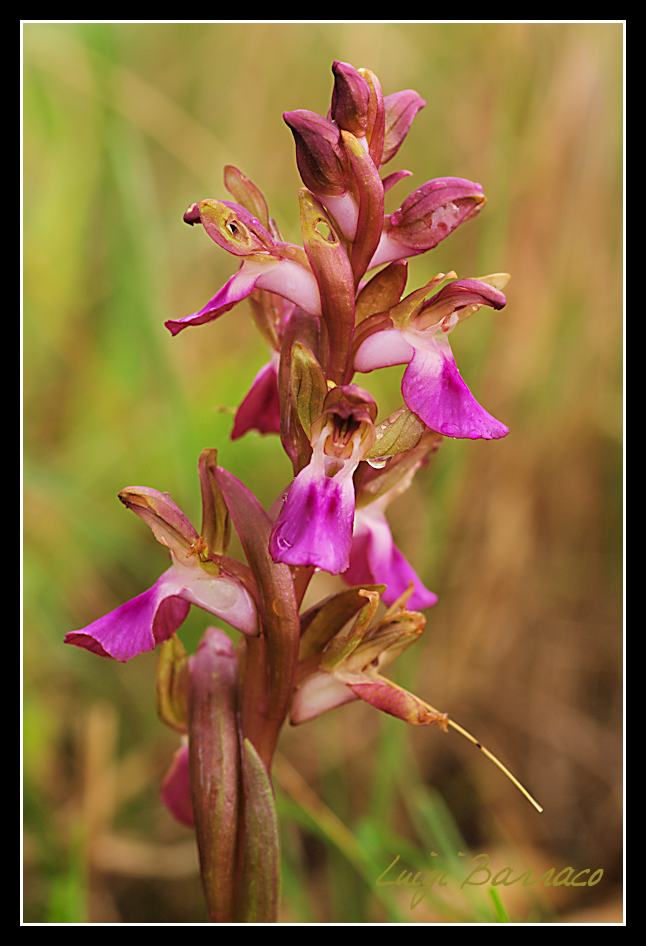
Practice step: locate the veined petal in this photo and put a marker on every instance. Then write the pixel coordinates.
(382, 292)
(317, 694)
(314, 526)
(176, 788)
(376, 116)
(433, 388)
(246, 194)
(260, 409)
(375, 558)
(138, 625)
(456, 301)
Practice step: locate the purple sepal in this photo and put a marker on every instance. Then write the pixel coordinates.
(260, 409)
(391, 179)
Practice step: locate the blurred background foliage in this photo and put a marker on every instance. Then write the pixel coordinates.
(124, 126)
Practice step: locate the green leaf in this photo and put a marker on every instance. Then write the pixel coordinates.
(397, 475)
(399, 432)
(259, 889)
(216, 526)
(172, 684)
(501, 913)
(308, 386)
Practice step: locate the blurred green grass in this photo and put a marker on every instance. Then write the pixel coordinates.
(125, 125)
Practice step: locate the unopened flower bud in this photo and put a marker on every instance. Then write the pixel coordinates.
(350, 99)
(434, 210)
(319, 154)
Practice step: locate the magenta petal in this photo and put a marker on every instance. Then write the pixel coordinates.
(375, 559)
(260, 410)
(176, 788)
(314, 526)
(235, 289)
(433, 388)
(136, 626)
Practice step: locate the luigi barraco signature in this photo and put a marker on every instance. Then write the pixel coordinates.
(478, 872)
